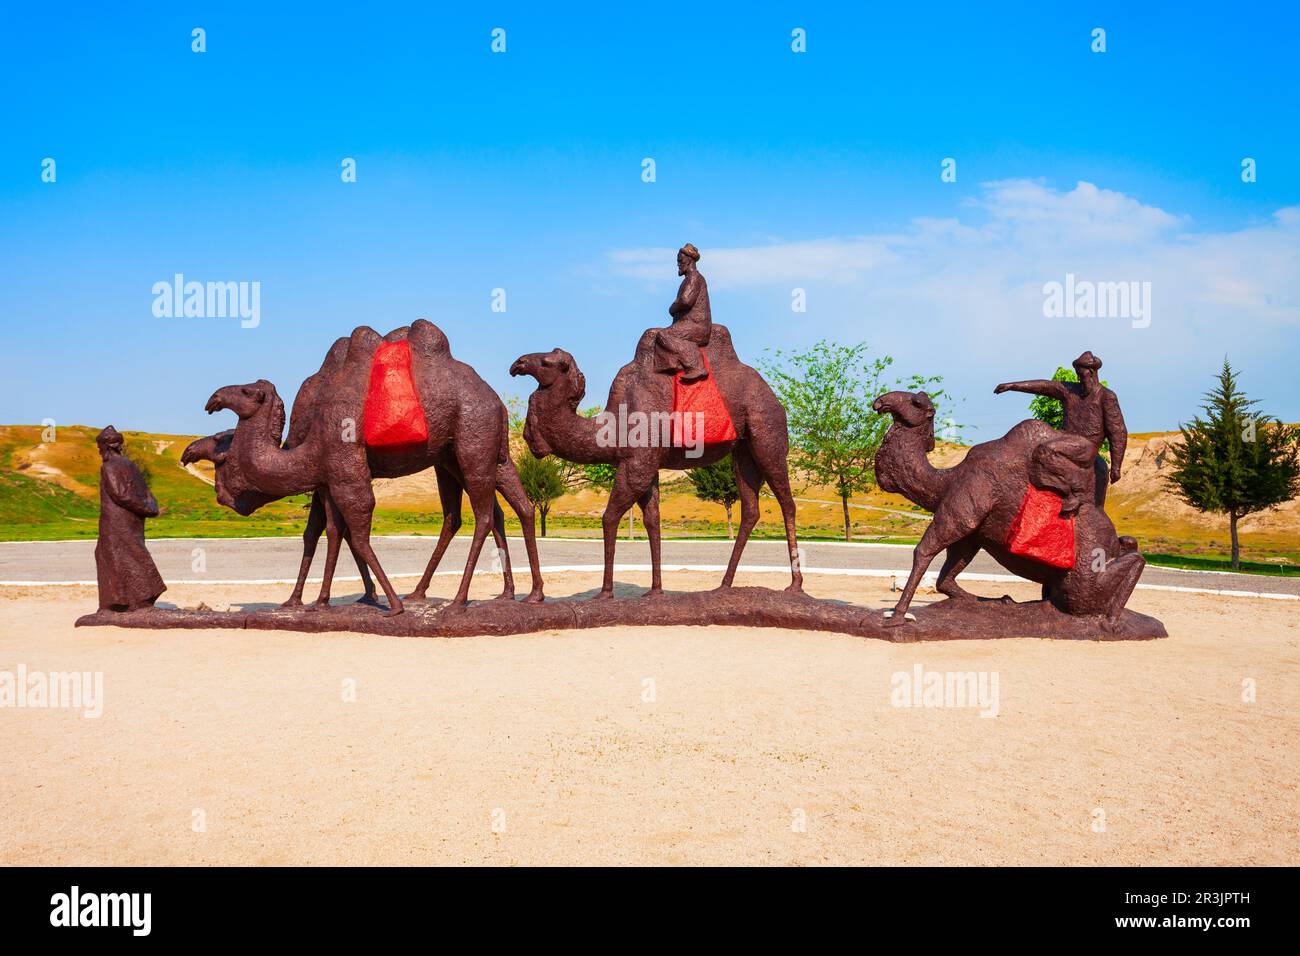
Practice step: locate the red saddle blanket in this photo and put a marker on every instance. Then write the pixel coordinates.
(1040, 532)
(393, 413)
(704, 397)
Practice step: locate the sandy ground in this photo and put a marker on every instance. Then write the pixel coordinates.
(652, 746)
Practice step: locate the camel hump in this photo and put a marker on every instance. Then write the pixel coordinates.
(428, 340)
(336, 354)
(398, 335)
(363, 340)
(720, 348)
(304, 404)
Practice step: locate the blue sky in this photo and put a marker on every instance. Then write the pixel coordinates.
(522, 171)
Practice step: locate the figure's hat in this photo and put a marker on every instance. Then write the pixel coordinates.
(690, 252)
(1087, 360)
(110, 437)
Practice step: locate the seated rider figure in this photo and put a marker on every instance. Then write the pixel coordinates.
(1068, 463)
(678, 347)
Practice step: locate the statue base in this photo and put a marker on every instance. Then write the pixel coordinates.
(945, 620)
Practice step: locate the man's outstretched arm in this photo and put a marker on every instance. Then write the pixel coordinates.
(1035, 386)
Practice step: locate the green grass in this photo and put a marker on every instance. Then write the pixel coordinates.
(1191, 563)
(37, 509)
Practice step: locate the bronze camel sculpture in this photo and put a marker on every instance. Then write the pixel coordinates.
(214, 448)
(235, 493)
(467, 436)
(758, 453)
(975, 504)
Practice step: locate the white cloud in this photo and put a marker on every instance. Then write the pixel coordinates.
(1029, 234)
(963, 296)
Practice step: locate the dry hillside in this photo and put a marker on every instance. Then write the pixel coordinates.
(48, 490)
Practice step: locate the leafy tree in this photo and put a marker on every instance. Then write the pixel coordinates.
(1048, 409)
(1235, 461)
(516, 413)
(600, 475)
(717, 483)
(543, 480)
(827, 392)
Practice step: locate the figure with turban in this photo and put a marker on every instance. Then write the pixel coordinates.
(677, 348)
(128, 578)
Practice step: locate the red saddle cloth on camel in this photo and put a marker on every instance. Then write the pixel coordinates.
(1039, 531)
(393, 413)
(703, 396)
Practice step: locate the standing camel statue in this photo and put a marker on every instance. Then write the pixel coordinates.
(463, 428)
(236, 494)
(214, 448)
(758, 451)
(976, 505)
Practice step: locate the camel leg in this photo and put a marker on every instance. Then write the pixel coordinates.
(650, 518)
(449, 494)
(367, 582)
(512, 489)
(333, 538)
(1123, 572)
(480, 500)
(945, 530)
(368, 596)
(769, 446)
(479, 480)
(310, 539)
(503, 549)
(357, 507)
(634, 477)
(748, 483)
(959, 555)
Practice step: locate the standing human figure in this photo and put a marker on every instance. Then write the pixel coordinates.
(128, 578)
(1069, 463)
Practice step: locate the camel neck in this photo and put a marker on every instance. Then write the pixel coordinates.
(268, 468)
(902, 466)
(564, 432)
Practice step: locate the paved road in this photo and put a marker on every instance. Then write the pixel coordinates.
(252, 559)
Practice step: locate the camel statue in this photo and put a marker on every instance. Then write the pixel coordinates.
(976, 504)
(463, 428)
(758, 452)
(236, 494)
(214, 448)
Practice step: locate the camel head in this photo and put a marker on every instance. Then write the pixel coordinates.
(244, 400)
(248, 401)
(911, 410)
(552, 368)
(213, 448)
(231, 489)
(559, 383)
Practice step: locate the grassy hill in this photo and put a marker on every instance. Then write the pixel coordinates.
(49, 490)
